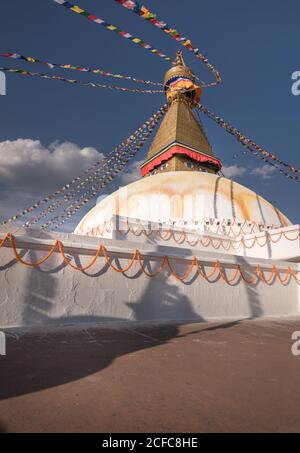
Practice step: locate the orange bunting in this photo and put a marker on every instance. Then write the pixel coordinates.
(217, 272)
(202, 239)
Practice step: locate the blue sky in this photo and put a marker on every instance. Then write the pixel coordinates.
(255, 46)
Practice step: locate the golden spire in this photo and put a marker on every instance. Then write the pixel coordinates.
(180, 81)
(179, 69)
(180, 143)
(180, 126)
(179, 61)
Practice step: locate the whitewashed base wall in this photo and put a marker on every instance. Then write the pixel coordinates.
(55, 294)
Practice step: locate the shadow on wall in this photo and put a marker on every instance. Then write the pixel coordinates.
(216, 213)
(254, 302)
(263, 219)
(44, 360)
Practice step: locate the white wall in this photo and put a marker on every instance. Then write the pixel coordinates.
(56, 294)
(278, 244)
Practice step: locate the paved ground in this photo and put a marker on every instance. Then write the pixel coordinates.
(234, 376)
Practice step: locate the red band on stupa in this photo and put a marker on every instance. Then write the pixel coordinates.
(176, 149)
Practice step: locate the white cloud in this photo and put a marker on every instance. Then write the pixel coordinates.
(29, 170)
(133, 173)
(265, 171)
(26, 164)
(233, 171)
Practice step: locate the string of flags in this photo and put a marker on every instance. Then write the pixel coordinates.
(78, 82)
(107, 172)
(102, 177)
(81, 68)
(152, 18)
(87, 183)
(81, 189)
(77, 9)
(108, 168)
(112, 170)
(143, 12)
(250, 145)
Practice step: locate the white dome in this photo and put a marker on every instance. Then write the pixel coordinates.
(189, 196)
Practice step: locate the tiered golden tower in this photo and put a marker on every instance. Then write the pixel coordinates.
(180, 143)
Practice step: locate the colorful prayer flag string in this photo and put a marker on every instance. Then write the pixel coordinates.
(105, 166)
(143, 12)
(107, 177)
(78, 82)
(101, 177)
(152, 18)
(251, 146)
(52, 65)
(77, 9)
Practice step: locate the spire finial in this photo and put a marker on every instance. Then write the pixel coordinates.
(179, 61)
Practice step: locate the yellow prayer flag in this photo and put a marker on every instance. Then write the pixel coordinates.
(76, 9)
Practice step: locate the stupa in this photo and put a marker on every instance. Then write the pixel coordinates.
(181, 182)
(182, 243)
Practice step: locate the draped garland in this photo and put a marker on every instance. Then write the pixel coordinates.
(170, 233)
(203, 239)
(217, 273)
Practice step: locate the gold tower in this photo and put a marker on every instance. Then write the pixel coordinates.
(180, 143)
